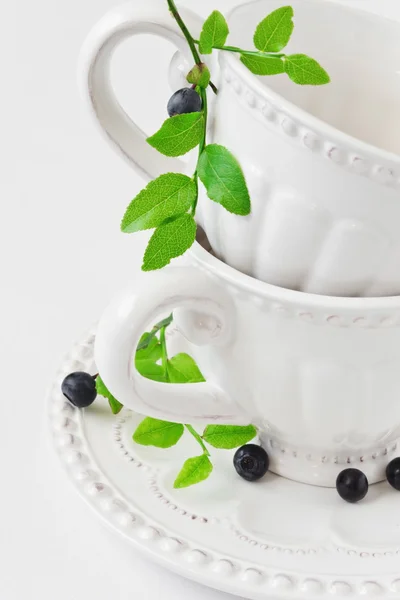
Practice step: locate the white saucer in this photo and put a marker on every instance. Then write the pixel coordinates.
(273, 539)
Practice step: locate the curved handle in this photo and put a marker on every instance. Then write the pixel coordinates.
(147, 16)
(125, 320)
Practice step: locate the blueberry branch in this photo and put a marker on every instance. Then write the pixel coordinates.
(175, 13)
(202, 91)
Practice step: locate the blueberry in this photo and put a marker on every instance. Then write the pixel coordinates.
(393, 473)
(251, 462)
(79, 388)
(352, 485)
(183, 101)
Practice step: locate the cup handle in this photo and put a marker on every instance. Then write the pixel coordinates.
(128, 316)
(148, 16)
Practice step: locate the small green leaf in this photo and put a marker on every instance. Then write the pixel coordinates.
(115, 406)
(146, 359)
(146, 339)
(151, 370)
(304, 70)
(193, 471)
(162, 434)
(229, 436)
(223, 178)
(167, 196)
(263, 65)
(182, 369)
(152, 351)
(179, 134)
(146, 344)
(214, 33)
(273, 33)
(169, 241)
(199, 75)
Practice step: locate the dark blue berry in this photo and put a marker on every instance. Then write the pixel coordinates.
(251, 462)
(352, 485)
(183, 101)
(393, 473)
(79, 388)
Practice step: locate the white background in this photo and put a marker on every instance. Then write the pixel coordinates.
(63, 192)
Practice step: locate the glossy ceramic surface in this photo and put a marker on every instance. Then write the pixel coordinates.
(322, 164)
(274, 540)
(318, 375)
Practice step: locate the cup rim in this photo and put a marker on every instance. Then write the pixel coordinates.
(256, 287)
(306, 118)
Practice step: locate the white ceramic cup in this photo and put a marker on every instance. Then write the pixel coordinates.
(322, 164)
(318, 375)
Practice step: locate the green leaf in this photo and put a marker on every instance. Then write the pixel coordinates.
(305, 70)
(148, 336)
(193, 471)
(146, 359)
(223, 178)
(152, 351)
(179, 134)
(273, 33)
(162, 434)
(169, 241)
(263, 65)
(199, 75)
(183, 369)
(167, 196)
(229, 436)
(150, 370)
(214, 33)
(115, 406)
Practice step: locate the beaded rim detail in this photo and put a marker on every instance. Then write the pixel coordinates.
(201, 564)
(387, 174)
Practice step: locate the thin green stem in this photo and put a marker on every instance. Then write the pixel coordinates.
(175, 13)
(241, 51)
(202, 145)
(213, 87)
(194, 205)
(203, 94)
(172, 7)
(197, 437)
(164, 354)
(164, 323)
